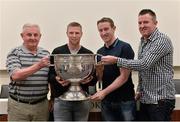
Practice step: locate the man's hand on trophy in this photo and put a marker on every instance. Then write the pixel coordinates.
(109, 59)
(98, 96)
(86, 80)
(44, 62)
(62, 82)
(138, 95)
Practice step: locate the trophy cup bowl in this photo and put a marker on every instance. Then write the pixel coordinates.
(74, 68)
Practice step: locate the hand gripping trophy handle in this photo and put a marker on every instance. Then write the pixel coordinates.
(99, 74)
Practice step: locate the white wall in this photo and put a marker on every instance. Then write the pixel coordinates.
(54, 15)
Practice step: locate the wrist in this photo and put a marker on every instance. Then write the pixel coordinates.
(39, 65)
(116, 59)
(105, 92)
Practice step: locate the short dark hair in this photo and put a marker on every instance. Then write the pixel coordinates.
(74, 24)
(106, 19)
(147, 11)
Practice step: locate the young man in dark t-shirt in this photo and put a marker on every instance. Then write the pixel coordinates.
(69, 110)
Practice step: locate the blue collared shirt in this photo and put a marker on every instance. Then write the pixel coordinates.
(126, 92)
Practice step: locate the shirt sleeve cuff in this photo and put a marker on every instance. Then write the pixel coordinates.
(119, 62)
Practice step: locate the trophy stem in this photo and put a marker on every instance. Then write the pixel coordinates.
(74, 93)
(75, 87)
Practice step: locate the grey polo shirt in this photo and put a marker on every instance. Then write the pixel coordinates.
(35, 86)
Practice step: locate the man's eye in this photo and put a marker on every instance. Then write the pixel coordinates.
(36, 35)
(105, 29)
(29, 34)
(100, 30)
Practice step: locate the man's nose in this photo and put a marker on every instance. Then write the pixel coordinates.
(103, 32)
(74, 35)
(141, 25)
(32, 36)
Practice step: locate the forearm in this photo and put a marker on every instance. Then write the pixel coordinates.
(119, 81)
(22, 74)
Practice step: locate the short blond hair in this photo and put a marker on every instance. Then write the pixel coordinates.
(74, 24)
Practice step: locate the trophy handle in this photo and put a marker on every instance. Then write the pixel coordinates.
(98, 58)
(99, 72)
(99, 86)
(51, 58)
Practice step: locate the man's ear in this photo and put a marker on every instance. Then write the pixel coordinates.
(114, 27)
(21, 35)
(156, 22)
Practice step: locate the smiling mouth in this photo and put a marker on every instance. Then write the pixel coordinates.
(105, 36)
(144, 29)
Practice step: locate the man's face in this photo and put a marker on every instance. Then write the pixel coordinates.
(31, 37)
(74, 34)
(106, 31)
(146, 25)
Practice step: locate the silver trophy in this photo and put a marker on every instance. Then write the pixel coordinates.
(74, 68)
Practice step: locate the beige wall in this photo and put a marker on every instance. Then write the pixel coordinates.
(54, 15)
(4, 78)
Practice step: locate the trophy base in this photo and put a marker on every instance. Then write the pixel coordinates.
(72, 95)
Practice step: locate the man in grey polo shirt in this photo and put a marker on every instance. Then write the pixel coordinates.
(27, 66)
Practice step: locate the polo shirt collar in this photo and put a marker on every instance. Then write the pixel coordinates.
(112, 45)
(27, 51)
